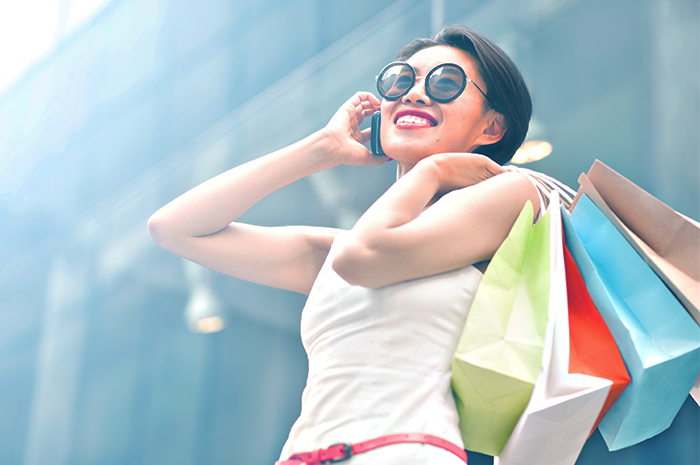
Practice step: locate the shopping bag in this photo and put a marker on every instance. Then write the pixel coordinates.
(659, 341)
(695, 391)
(499, 354)
(565, 404)
(593, 350)
(668, 241)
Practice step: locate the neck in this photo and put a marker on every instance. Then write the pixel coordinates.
(402, 168)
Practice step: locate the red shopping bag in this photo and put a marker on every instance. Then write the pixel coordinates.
(593, 350)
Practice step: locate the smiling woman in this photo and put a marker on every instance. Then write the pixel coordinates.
(417, 123)
(502, 84)
(388, 298)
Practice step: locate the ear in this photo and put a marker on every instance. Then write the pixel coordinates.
(494, 131)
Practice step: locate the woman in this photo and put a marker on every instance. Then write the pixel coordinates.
(387, 299)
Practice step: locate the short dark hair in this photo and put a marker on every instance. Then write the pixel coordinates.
(505, 85)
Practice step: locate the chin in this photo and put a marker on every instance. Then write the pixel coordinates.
(409, 151)
(407, 154)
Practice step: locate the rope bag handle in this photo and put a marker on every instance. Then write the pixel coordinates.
(546, 184)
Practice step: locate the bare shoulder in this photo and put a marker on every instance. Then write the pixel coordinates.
(464, 227)
(509, 191)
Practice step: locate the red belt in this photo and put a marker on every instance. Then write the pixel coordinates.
(340, 452)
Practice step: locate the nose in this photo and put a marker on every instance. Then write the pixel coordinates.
(417, 93)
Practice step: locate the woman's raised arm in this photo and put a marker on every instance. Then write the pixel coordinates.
(395, 240)
(200, 224)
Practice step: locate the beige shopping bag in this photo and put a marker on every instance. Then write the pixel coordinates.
(667, 240)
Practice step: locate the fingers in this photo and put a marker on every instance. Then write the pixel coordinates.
(366, 135)
(367, 99)
(364, 110)
(375, 160)
(489, 165)
(345, 125)
(364, 104)
(365, 107)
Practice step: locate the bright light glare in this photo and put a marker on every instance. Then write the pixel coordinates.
(532, 151)
(203, 311)
(208, 325)
(29, 29)
(83, 10)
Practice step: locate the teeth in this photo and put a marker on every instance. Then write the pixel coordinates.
(411, 119)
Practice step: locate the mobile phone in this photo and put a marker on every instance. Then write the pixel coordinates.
(375, 143)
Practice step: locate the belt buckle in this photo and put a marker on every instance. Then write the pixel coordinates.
(347, 450)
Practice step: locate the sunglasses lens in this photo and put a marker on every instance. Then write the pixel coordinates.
(446, 82)
(395, 81)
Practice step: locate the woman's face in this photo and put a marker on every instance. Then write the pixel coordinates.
(414, 126)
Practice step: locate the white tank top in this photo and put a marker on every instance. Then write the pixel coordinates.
(379, 363)
(380, 360)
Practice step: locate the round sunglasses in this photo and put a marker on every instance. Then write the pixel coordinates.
(444, 83)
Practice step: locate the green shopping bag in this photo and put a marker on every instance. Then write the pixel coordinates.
(499, 354)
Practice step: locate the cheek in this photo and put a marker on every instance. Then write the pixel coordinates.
(465, 118)
(455, 136)
(386, 109)
(468, 123)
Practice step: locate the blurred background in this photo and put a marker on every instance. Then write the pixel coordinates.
(113, 351)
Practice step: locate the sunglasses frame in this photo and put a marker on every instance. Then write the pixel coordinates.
(426, 80)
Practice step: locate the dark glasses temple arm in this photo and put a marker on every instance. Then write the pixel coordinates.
(493, 104)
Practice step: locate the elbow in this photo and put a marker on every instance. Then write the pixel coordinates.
(159, 232)
(355, 263)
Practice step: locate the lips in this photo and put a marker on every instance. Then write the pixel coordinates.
(410, 118)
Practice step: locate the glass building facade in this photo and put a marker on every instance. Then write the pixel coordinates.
(105, 356)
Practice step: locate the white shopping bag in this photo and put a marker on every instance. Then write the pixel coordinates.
(695, 392)
(564, 406)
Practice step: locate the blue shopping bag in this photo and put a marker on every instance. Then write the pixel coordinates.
(658, 339)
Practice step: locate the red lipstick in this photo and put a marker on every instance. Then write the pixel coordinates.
(422, 119)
